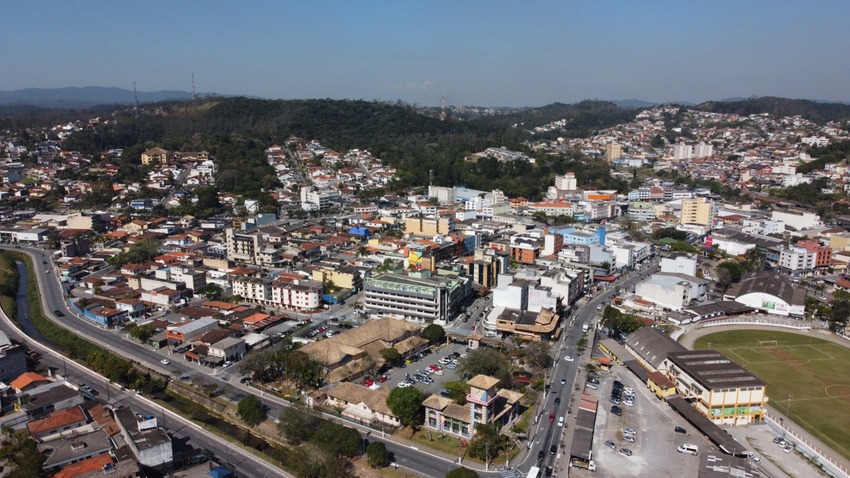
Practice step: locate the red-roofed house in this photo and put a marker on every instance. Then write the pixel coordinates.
(28, 381)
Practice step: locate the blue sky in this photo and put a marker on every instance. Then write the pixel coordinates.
(488, 53)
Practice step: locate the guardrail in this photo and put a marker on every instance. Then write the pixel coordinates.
(807, 448)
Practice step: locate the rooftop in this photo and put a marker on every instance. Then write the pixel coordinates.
(713, 370)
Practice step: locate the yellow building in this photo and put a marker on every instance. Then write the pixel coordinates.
(427, 226)
(613, 151)
(346, 277)
(717, 387)
(155, 156)
(840, 242)
(699, 211)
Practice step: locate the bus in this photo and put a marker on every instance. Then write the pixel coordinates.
(533, 472)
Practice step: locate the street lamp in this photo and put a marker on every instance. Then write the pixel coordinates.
(789, 405)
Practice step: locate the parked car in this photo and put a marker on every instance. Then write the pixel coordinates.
(591, 386)
(626, 451)
(680, 430)
(244, 379)
(610, 444)
(630, 431)
(629, 438)
(617, 411)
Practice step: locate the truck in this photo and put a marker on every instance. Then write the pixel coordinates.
(588, 465)
(533, 472)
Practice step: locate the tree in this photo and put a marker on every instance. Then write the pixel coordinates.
(487, 442)
(457, 391)
(140, 332)
(377, 455)
(21, 451)
(434, 333)
(337, 439)
(406, 404)
(462, 472)
(211, 291)
(486, 361)
(538, 354)
(391, 355)
(251, 410)
(298, 424)
(728, 272)
(840, 313)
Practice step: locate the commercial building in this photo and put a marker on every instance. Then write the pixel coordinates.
(666, 294)
(795, 219)
(717, 387)
(486, 267)
(680, 263)
(150, 444)
(418, 296)
(428, 226)
(298, 294)
(179, 334)
(528, 325)
(362, 404)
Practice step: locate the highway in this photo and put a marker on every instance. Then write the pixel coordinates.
(181, 428)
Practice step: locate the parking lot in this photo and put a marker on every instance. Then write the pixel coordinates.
(653, 451)
(446, 373)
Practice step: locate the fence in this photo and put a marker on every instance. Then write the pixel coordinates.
(760, 320)
(807, 448)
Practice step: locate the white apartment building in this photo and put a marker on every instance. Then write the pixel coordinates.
(797, 261)
(673, 296)
(317, 199)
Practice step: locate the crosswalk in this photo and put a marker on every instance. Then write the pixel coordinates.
(508, 473)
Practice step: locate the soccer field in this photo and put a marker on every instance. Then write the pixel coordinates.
(811, 371)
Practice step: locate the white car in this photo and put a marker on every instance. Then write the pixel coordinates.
(560, 421)
(569, 359)
(165, 361)
(403, 385)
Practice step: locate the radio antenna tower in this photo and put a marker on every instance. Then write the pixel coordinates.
(443, 108)
(136, 97)
(194, 96)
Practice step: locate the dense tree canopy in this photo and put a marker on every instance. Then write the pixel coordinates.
(406, 405)
(251, 410)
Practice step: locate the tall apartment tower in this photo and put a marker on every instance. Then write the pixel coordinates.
(613, 151)
(699, 211)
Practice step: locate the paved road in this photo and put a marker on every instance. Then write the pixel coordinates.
(562, 379)
(180, 427)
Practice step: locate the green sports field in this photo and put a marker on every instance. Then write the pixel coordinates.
(814, 372)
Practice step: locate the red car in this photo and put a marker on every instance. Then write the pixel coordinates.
(383, 378)
(368, 382)
(551, 417)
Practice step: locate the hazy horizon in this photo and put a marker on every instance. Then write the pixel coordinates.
(474, 53)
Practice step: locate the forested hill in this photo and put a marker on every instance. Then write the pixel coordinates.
(583, 117)
(812, 110)
(395, 132)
